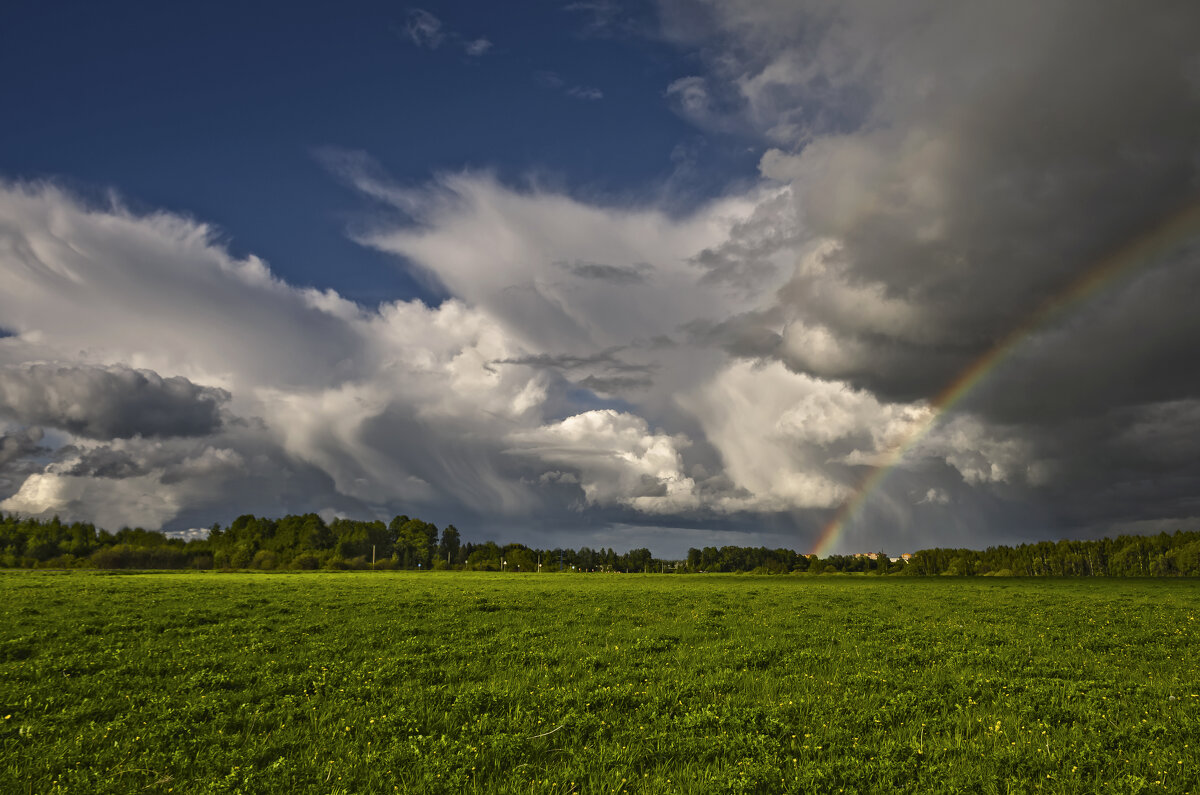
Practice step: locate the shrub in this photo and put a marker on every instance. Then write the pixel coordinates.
(127, 556)
(66, 561)
(306, 560)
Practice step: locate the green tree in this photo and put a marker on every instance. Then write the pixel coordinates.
(448, 548)
(638, 560)
(416, 543)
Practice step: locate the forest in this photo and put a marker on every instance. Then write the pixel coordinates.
(309, 542)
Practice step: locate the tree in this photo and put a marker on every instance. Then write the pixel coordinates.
(448, 549)
(416, 543)
(520, 558)
(638, 560)
(485, 557)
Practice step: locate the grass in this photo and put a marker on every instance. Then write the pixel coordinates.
(394, 682)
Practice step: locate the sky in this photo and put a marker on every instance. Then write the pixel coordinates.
(831, 276)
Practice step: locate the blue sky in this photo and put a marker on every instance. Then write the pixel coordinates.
(220, 112)
(667, 274)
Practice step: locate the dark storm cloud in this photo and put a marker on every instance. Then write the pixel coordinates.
(1130, 465)
(19, 449)
(650, 486)
(997, 188)
(104, 462)
(18, 444)
(997, 155)
(952, 170)
(114, 402)
(1132, 347)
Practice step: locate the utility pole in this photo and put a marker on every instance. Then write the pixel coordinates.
(372, 556)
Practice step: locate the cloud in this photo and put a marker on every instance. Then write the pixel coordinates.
(619, 460)
(607, 359)
(477, 47)
(19, 450)
(933, 175)
(298, 399)
(424, 29)
(585, 92)
(692, 98)
(102, 462)
(617, 274)
(549, 79)
(553, 80)
(131, 502)
(935, 497)
(603, 372)
(19, 443)
(190, 534)
(958, 164)
(427, 31)
(615, 384)
(328, 403)
(108, 402)
(782, 436)
(757, 248)
(607, 19)
(499, 249)
(950, 170)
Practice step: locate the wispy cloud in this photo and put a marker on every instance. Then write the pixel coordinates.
(477, 47)
(607, 19)
(615, 274)
(425, 30)
(548, 79)
(585, 92)
(551, 79)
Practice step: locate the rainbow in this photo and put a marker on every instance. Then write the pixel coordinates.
(1151, 245)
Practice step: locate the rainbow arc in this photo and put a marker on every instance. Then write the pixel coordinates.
(1149, 247)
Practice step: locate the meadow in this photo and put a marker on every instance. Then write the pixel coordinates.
(376, 682)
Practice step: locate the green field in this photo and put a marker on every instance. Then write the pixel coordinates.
(381, 682)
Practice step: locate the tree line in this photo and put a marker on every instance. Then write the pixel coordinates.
(307, 541)
(303, 541)
(1163, 555)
